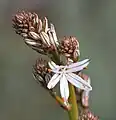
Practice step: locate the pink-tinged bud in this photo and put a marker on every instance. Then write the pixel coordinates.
(83, 96)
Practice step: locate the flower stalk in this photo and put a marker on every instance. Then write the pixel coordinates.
(60, 101)
(73, 113)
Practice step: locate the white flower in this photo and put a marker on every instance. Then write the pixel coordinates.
(65, 74)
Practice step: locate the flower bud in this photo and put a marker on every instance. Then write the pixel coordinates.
(41, 73)
(70, 47)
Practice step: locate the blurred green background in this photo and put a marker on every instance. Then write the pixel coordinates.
(93, 22)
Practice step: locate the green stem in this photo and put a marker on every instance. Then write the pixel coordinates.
(55, 57)
(73, 113)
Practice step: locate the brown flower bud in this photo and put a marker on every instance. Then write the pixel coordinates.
(70, 47)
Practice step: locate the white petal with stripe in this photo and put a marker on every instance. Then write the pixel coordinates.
(78, 63)
(54, 80)
(78, 82)
(64, 89)
(77, 68)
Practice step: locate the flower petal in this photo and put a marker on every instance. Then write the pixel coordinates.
(64, 89)
(54, 80)
(78, 82)
(78, 67)
(78, 63)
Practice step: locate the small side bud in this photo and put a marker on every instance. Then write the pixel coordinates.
(41, 73)
(70, 47)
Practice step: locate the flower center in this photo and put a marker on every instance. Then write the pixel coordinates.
(62, 69)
